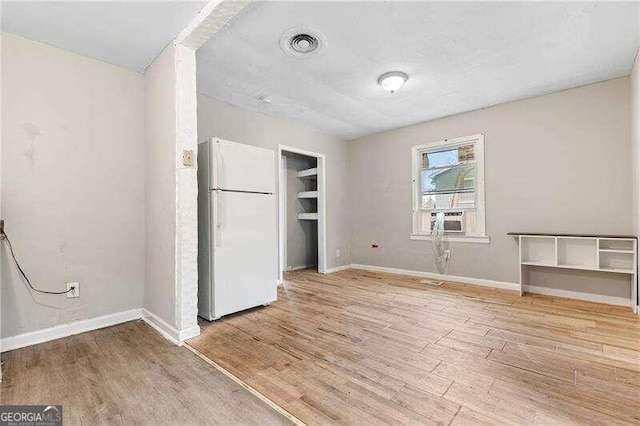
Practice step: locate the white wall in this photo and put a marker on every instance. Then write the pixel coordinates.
(555, 163)
(74, 176)
(216, 118)
(72, 185)
(160, 186)
(635, 142)
(635, 145)
(171, 285)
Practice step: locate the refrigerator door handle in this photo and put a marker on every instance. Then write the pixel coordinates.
(219, 219)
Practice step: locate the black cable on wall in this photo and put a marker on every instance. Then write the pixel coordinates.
(5, 237)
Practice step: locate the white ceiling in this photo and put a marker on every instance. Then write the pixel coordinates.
(460, 57)
(129, 34)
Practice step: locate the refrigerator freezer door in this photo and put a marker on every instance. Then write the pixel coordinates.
(241, 167)
(245, 250)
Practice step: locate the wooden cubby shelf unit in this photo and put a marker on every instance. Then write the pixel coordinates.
(611, 254)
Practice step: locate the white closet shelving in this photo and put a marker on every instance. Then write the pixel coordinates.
(308, 216)
(583, 252)
(309, 173)
(310, 177)
(308, 194)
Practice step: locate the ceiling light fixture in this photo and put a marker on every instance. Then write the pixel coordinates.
(392, 81)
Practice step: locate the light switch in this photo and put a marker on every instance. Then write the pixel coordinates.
(187, 157)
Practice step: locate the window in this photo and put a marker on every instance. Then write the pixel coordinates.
(448, 177)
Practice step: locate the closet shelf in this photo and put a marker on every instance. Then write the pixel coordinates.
(309, 173)
(307, 216)
(308, 194)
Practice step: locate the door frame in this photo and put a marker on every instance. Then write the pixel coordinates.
(322, 211)
(282, 216)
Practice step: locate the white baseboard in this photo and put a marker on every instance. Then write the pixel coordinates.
(189, 333)
(77, 327)
(433, 275)
(169, 332)
(338, 269)
(588, 297)
(64, 330)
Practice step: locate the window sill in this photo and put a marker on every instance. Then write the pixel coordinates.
(455, 239)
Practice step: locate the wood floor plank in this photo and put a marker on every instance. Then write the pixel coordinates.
(564, 404)
(467, 416)
(364, 347)
(433, 408)
(500, 409)
(127, 374)
(466, 375)
(627, 376)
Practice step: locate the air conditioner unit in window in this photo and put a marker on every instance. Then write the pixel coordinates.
(453, 221)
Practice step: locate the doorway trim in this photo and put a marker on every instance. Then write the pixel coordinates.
(322, 211)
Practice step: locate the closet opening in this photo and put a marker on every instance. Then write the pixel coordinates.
(301, 208)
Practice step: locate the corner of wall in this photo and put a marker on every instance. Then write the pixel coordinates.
(186, 190)
(171, 215)
(159, 134)
(635, 144)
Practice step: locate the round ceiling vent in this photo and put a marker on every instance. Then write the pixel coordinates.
(302, 42)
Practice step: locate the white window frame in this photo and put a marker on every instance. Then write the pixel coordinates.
(480, 235)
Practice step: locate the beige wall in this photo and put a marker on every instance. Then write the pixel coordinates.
(72, 185)
(216, 118)
(555, 163)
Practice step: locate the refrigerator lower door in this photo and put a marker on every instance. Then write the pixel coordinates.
(245, 251)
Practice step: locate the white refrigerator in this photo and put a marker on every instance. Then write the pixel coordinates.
(237, 228)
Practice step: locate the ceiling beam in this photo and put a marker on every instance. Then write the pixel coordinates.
(215, 15)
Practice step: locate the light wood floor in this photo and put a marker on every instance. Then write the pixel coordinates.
(370, 348)
(127, 374)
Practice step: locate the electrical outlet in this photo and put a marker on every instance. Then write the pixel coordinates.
(338, 254)
(73, 290)
(187, 157)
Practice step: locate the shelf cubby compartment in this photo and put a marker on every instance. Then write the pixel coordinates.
(538, 250)
(617, 261)
(308, 194)
(307, 216)
(616, 245)
(578, 253)
(309, 173)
